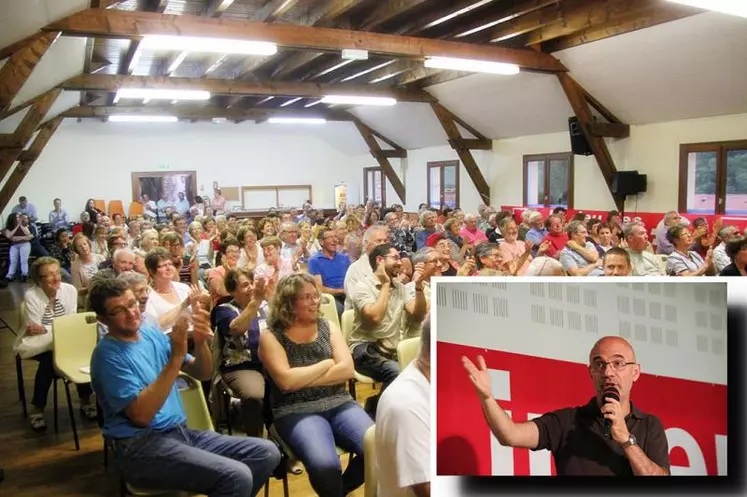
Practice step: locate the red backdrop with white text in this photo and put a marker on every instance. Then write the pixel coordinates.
(693, 413)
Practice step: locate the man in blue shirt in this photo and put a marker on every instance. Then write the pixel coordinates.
(133, 372)
(23, 206)
(328, 267)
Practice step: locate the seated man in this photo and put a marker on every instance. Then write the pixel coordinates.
(328, 267)
(133, 372)
(403, 428)
(616, 262)
(644, 262)
(380, 302)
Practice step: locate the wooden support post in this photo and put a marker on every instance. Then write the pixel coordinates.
(382, 156)
(21, 64)
(27, 159)
(26, 129)
(578, 98)
(463, 146)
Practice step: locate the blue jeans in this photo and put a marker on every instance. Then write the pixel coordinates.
(313, 437)
(193, 461)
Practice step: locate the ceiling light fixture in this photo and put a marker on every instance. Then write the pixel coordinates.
(127, 118)
(358, 100)
(296, 120)
(733, 7)
(177, 61)
(458, 13)
(335, 67)
(471, 65)
(290, 102)
(208, 45)
(158, 94)
(311, 104)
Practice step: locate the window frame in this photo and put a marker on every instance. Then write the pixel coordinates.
(442, 165)
(721, 148)
(546, 158)
(374, 169)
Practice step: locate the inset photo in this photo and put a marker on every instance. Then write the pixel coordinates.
(581, 378)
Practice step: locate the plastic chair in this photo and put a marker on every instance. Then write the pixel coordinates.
(116, 207)
(329, 309)
(370, 479)
(73, 340)
(407, 350)
(100, 205)
(136, 209)
(222, 393)
(347, 329)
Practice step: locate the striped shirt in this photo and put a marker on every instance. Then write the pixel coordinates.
(53, 310)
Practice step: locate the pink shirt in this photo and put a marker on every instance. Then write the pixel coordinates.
(473, 237)
(511, 251)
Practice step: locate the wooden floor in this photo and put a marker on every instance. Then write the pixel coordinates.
(47, 464)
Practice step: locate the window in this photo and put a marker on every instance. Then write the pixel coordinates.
(713, 178)
(443, 184)
(374, 185)
(548, 180)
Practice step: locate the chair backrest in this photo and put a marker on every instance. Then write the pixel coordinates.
(116, 207)
(136, 209)
(329, 309)
(195, 405)
(370, 479)
(347, 324)
(74, 337)
(100, 205)
(407, 350)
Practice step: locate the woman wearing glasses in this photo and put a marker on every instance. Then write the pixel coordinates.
(309, 364)
(168, 299)
(47, 299)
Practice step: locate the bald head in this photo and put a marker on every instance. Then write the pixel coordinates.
(614, 343)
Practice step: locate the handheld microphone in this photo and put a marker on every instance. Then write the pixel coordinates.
(609, 393)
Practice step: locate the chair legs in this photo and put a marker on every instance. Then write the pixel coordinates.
(21, 386)
(351, 388)
(227, 411)
(54, 387)
(72, 415)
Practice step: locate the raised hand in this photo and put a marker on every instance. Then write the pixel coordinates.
(381, 274)
(178, 337)
(528, 244)
(479, 377)
(201, 323)
(418, 274)
(260, 289)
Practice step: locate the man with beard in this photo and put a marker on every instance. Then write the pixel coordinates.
(634, 444)
(380, 302)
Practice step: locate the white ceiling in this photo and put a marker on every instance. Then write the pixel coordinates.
(22, 18)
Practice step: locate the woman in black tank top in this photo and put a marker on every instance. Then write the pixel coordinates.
(309, 364)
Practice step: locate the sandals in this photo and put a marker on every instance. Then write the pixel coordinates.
(37, 421)
(295, 467)
(88, 411)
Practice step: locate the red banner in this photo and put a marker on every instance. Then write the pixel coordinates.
(693, 413)
(650, 219)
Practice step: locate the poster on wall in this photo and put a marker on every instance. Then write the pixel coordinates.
(341, 195)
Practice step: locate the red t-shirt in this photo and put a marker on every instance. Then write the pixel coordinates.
(557, 243)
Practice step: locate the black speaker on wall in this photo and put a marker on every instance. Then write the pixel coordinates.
(629, 183)
(579, 145)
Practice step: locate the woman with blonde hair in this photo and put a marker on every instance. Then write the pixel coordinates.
(99, 245)
(307, 239)
(251, 252)
(85, 265)
(149, 240)
(309, 364)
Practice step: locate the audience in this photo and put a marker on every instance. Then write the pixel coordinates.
(720, 258)
(169, 299)
(579, 257)
(403, 428)
(663, 245)
(644, 262)
(309, 364)
(360, 268)
(458, 247)
(134, 370)
(85, 265)
(514, 250)
(427, 228)
(736, 249)
(251, 252)
(328, 267)
(24, 207)
(63, 252)
(47, 299)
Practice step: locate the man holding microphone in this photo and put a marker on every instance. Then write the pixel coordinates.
(607, 436)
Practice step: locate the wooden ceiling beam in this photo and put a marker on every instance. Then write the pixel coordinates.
(25, 130)
(201, 112)
(523, 24)
(610, 130)
(112, 83)
(17, 70)
(294, 63)
(462, 147)
(216, 8)
(332, 10)
(577, 98)
(120, 24)
(657, 14)
(386, 11)
(27, 159)
(369, 136)
(274, 9)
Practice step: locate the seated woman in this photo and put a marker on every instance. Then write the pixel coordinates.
(736, 249)
(514, 251)
(168, 299)
(99, 245)
(275, 267)
(579, 257)
(683, 261)
(237, 324)
(185, 267)
(489, 261)
(216, 276)
(449, 267)
(85, 265)
(251, 252)
(309, 364)
(20, 246)
(459, 248)
(62, 251)
(46, 300)
(149, 240)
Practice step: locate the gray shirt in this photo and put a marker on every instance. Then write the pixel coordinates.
(646, 264)
(678, 263)
(387, 332)
(570, 259)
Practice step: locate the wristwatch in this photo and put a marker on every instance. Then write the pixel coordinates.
(631, 441)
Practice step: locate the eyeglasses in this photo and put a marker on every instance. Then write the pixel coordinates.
(131, 305)
(396, 257)
(49, 275)
(617, 365)
(311, 297)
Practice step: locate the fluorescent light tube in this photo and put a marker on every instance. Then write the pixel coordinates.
(471, 65)
(733, 7)
(296, 120)
(208, 45)
(457, 13)
(127, 118)
(358, 100)
(156, 94)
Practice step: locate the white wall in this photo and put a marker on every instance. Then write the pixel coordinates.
(94, 159)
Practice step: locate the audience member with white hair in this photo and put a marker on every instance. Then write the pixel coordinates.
(720, 258)
(663, 245)
(358, 270)
(579, 257)
(644, 262)
(513, 250)
(545, 266)
(470, 233)
(427, 222)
